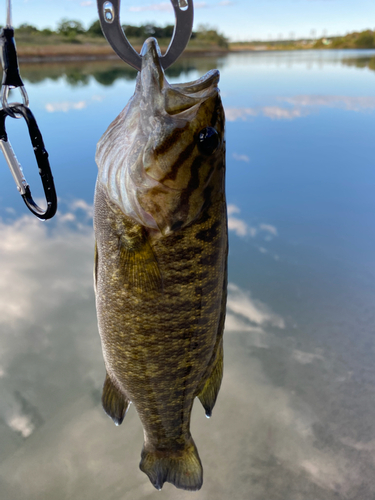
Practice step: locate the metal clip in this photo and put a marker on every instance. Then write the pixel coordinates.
(41, 156)
(11, 75)
(109, 15)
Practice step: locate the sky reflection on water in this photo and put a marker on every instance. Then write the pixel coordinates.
(295, 416)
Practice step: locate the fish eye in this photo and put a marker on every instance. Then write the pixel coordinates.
(208, 141)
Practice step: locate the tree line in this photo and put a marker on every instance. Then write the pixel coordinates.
(71, 29)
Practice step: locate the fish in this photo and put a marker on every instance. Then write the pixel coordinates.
(160, 273)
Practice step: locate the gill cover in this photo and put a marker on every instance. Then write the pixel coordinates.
(158, 157)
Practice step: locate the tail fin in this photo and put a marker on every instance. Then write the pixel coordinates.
(183, 469)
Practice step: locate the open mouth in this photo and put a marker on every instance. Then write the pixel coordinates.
(175, 98)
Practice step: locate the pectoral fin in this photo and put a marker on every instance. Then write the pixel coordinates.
(211, 388)
(115, 404)
(139, 267)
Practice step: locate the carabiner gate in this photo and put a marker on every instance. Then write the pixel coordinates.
(109, 15)
(41, 156)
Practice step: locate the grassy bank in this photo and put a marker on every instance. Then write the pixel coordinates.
(34, 52)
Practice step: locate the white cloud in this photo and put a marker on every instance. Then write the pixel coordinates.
(253, 312)
(235, 114)
(233, 209)
(167, 6)
(238, 226)
(299, 107)
(53, 107)
(241, 228)
(163, 6)
(279, 113)
(87, 3)
(246, 315)
(98, 98)
(350, 103)
(268, 228)
(84, 206)
(305, 358)
(21, 424)
(26, 244)
(239, 157)
(272, 112)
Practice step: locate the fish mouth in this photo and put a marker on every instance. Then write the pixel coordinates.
(173, 99)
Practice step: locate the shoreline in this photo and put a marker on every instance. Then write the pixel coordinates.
(77, 53)
(90, 53)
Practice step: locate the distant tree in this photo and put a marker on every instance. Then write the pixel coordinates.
(365, 40)
(47, 32)
(70, 28)
(146, 30)
(27, 29)
(133, 31)
(95, 29)
(208, 34)
(165, 32)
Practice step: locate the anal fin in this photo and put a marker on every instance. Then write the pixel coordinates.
(208, 394)
(115, 404)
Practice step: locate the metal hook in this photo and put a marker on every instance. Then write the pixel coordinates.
(109, 15)
(41, 156)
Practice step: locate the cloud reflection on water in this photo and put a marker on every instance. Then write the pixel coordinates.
(300, 106)
(57, 442)
(242, 228)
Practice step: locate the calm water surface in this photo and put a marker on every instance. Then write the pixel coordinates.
(295, 417)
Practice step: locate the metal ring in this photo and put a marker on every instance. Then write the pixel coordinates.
(109, 15)
(7, 107)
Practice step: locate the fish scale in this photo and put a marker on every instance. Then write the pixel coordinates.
(148, 321)
(161, 264)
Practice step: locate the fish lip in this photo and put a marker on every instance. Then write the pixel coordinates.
(151, 44)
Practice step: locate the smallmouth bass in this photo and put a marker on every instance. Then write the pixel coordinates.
(161, 263)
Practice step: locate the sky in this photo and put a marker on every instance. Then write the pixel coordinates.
(237, 19)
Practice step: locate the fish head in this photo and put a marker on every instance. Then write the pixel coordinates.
(163, 159)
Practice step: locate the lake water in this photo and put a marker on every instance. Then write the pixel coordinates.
(295, 418)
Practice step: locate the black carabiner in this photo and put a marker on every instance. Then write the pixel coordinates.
(41, 156)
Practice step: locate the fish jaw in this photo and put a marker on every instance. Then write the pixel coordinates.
(149, 159)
